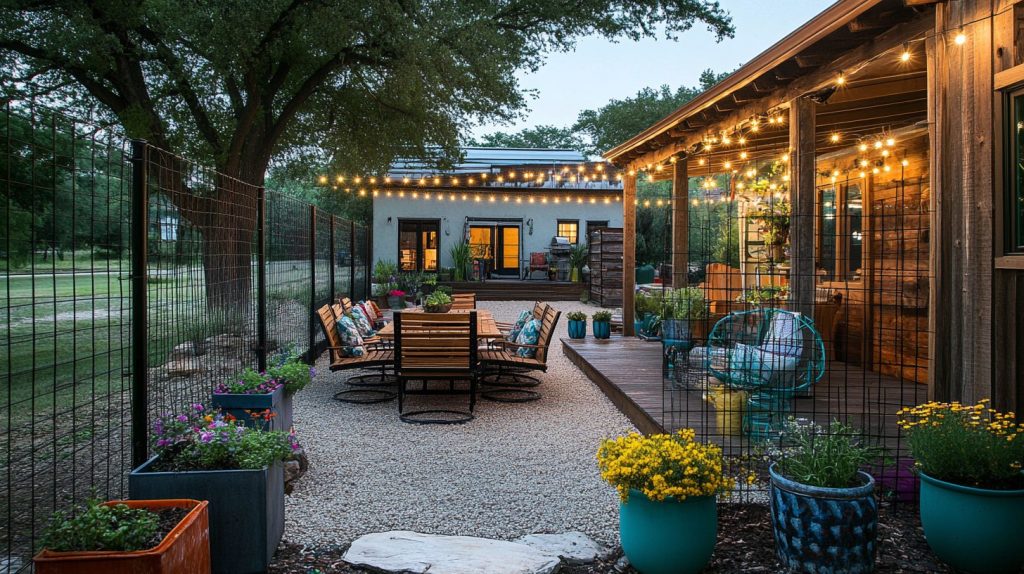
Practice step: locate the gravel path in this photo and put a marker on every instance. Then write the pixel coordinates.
(515, 469)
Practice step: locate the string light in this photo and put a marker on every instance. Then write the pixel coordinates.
(960, 37)
(840, 79)
(834, 138)
(905, 56)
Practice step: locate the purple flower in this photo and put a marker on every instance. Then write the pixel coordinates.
(198, 407)
(312, 372)
(182, 418)
(206, 436)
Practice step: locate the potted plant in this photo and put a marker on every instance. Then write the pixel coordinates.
(768, 296)
(577, 324)
(602, 324)
(253, 398)
(462, 259)
(969, 459)
(429, 284)
(773, 224)
(681, 308)
(437, 302)
(396, 299)
(667, 484)
(585, 296)
(824, 513)
(128, 537)
(577, 259)
(205, 455)
(289, 370)
(647, 320)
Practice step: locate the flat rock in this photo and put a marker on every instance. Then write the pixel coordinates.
(405, 551)
(573, 547)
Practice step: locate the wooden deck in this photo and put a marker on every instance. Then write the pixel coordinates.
(512, 289)
(629, 371)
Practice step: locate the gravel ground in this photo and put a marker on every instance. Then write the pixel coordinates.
(515, 469)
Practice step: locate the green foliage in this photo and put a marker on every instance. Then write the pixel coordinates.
(578, 257)
(831, 459)
(576, 316)
(685, 303)
(436, 300)
(96, 527)
(462, 257)
(773, 222)
(767, 295)
(602, 316)
(648, 303)
(384, 270)
(198, 440)
(287, 368)
(545, 137)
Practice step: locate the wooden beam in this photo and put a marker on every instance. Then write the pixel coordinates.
(628, 252)
(803, 180)
(680, 225)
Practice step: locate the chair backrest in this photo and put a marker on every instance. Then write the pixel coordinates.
(435, 344)
(722, 284)
(329, 324)
(539, 308)
(346, 303)
(538, 259)
(464, 301)
(547, 331)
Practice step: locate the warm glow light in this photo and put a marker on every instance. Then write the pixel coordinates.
(743, 155)
(960, 38)
(727, 165)
(701, 161)
(890, 142)
(863, 147)
(864, 163)
(905, 56)
(405, 180)
(905, 163)
(834, 138)
(878, 144)
(323, 180)
(743, 141)
(885, 153)
(840, 79)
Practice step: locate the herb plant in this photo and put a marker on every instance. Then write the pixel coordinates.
(576, 316)
(436, 300)
(831, 459)
(602, 316)
(115, 528)
(287, 368)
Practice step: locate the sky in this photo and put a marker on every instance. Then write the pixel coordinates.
(600, 70)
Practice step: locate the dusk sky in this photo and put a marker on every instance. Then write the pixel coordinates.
(600, 70)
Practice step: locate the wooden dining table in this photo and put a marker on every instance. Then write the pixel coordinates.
(486, 327)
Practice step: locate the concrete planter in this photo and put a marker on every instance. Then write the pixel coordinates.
(246, 509)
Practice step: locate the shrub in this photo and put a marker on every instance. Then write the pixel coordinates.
(384, 271)
(685, 303)
(830, 459)
(576, 316)
(201, 440)
(436, 300)
(663, 466)
(96, 527)
(287, 368)
(248, 382)
(970, 445)
(602, 316)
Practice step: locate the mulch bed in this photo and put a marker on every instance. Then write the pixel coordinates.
(744, 545)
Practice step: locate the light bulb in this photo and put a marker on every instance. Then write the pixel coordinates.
(960, 38)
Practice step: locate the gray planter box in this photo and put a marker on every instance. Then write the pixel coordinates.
(237, 405)
(246, 510)
(285, 413)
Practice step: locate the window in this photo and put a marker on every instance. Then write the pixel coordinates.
(1014, 219)
(840, 240)
(417, 245)
(569, 228)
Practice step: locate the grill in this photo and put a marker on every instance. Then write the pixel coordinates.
(559, 249)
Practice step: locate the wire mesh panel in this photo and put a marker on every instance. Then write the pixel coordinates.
(289, 274)
(64, 220)
(343, 260)
(361, 263)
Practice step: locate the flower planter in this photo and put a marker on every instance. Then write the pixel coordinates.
(602, 329)
(396, 302)
(820, 529)
(246, 510)
(184, 550)
(577, 329)
(237, 405)
(973, 529)
(668, 537)
(287, 411)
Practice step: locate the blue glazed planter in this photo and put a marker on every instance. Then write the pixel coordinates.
(824, 530)
(237, 405)
(668, 537)
(602, 329)
(973, 529)
(577, 329)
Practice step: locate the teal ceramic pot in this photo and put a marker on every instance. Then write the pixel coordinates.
(668, 537)
(577, 329)
(821, 530)
(602, 329)
(974, 530)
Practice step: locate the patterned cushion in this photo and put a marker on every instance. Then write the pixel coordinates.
(376, 309)
(371, 315)
(759, 366)
(784, 335)
(529, 335)
(351, 341)
(517, 326)
(361, 322)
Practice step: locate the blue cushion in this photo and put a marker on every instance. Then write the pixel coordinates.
(529, 335)
(517, 326)
(756, 365)
(351, 341)
(784, 336)
(362, 322)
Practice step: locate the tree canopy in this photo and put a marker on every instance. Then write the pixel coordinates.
(536, 137)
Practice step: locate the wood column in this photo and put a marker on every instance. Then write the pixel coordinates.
(628, 252)
(680, 224)
(802, 188)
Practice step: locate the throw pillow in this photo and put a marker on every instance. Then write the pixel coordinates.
(362, 323)
(351, 341)
(529, 335)
(784, 336)
(758, 366)
(517, 326)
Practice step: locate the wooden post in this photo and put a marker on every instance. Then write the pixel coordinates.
(802, 188)
(628, 251)
(680, 224)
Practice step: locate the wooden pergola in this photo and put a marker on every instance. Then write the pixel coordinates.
(844, 74)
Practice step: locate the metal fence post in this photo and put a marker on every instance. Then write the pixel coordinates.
(352, 260)
(367, 262)
(261, 279)
(312, 283)
(139, 277)
(330, 268)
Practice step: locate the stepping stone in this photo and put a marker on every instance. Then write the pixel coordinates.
(573, 547)
(404, 551)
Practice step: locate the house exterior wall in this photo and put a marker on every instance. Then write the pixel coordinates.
(387, 211)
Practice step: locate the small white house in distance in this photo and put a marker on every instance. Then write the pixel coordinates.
(509, 204)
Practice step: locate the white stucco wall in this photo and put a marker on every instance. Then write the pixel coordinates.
(387, 211)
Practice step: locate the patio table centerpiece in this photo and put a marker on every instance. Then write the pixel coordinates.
(252, 398)
(437, 302)
(396, 299)
(969, 459)
(208, 455)
(577, 324)
(667, 484)
(823, 508)
(602, 324)
(128, 537)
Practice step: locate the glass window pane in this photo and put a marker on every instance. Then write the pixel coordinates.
(480, 242)
(854, 222)
(430, 247)
(407, 254)
(827, 229)
(569, 230)
(1015, 215)
(510, 247)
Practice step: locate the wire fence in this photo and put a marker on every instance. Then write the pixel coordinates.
(135, 280)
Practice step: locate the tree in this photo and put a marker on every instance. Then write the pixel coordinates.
(349, 83)
(619, 120)
(550, 137)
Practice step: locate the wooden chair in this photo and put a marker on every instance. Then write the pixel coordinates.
(374, 357)
(436, 347)
(463, 301)
(538, 262)
(538, 313)
(509, 369)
